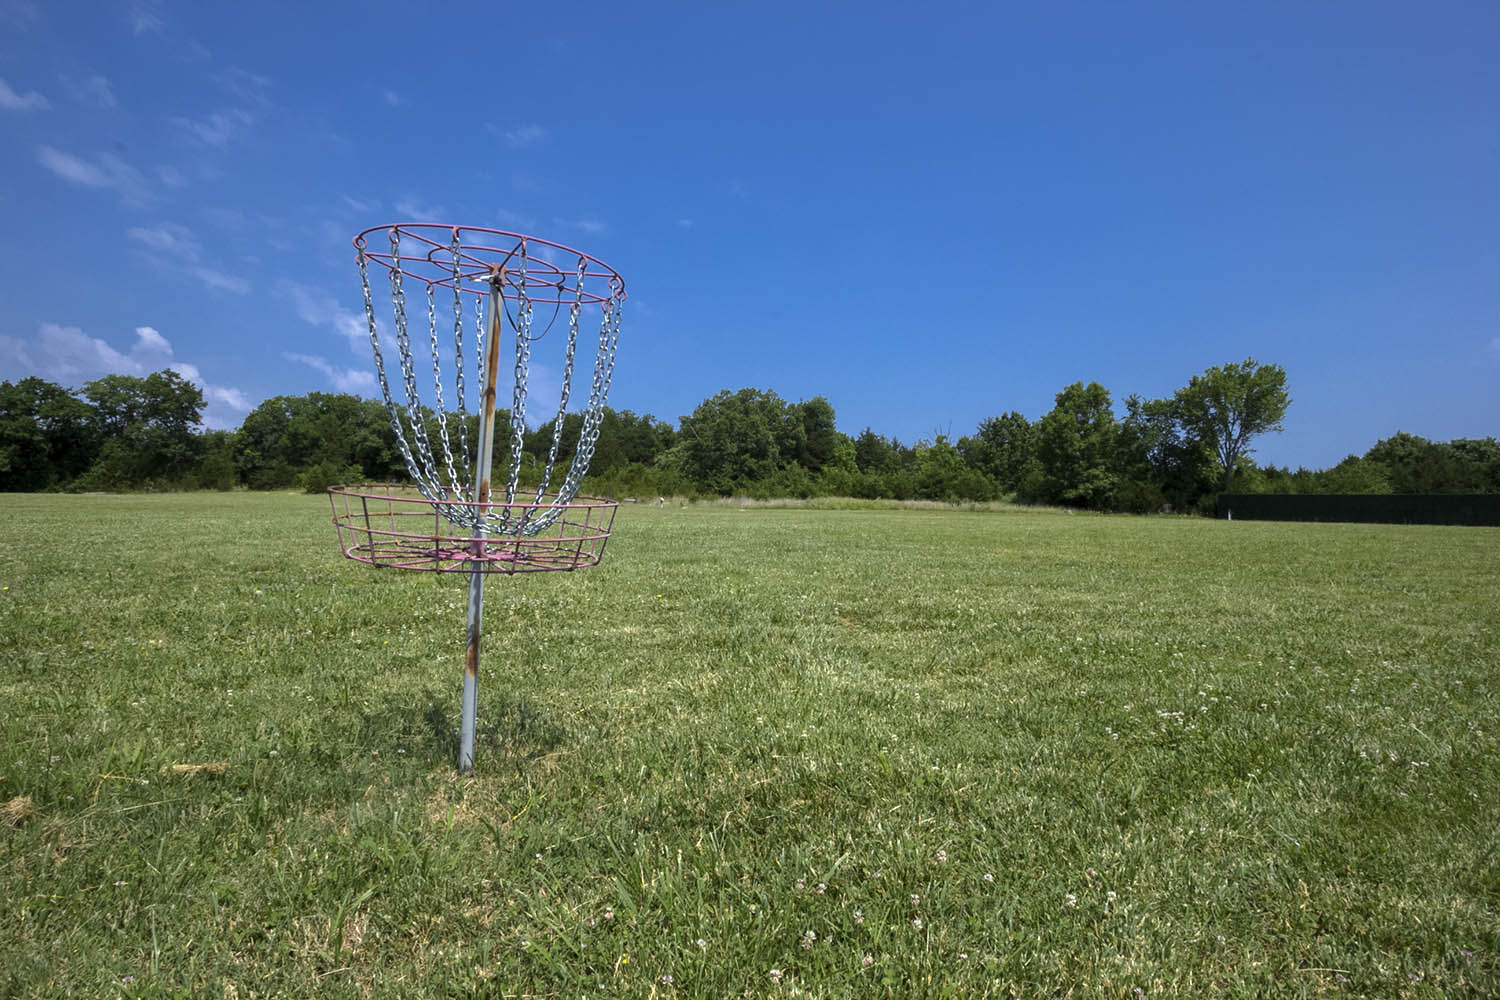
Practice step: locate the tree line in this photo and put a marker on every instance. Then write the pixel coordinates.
(125, 432)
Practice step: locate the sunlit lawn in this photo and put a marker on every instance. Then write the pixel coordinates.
(764, 751)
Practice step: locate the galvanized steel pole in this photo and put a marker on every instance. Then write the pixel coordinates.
(482, 495)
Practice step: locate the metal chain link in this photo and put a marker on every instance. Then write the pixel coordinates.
(385, 388)
(458, 365)
(604, 370)
(523, 373)
(437, 391)
(428, 480)
(567, 379)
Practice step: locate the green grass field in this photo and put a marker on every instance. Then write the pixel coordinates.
(758, 752)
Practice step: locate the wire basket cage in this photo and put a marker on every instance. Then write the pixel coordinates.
(393, 526)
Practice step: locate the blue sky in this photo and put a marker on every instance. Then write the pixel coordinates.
(929, 214)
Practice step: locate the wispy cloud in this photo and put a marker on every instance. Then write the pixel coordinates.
(224, 405)
(178, 242)
(416, 211)
(217, 128)
(317, 307)
(19, 14)
(360, 206)
(214, 278)
(524, 135)
(515, 220)
(392, 98)
(92, 90)
(171, 176)
(168, 237)
(1495, 348)
(146, 16)
(29, 101)
(343, 379)
(250, 88)
(106, 172)
(591, 226)
(685, 223)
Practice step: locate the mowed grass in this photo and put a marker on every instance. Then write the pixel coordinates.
(757, 752)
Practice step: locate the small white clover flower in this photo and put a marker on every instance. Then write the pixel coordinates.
(915, 899)
(942, 856)
(776, 975)
(916, 922)
(1070, 901)
(988, 877)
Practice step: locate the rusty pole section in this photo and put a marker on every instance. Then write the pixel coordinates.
(482, 495)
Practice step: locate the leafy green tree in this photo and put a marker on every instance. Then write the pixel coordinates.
(148, 428)
(820, 438)
(1076, 443)
(1003, 448)
(47, 435)
(735, 439)
(1229, 405)
(1158, 461)
(1355, 475)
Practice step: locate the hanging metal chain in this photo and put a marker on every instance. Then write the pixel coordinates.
(574, 308)
(604, 370)
(523, 374)
(458, 366)
(437, 391)
(385, 388)
(428, 480)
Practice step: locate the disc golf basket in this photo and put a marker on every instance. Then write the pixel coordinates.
(456, 516)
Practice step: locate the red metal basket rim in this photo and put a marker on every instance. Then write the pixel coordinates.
(482, 260)
(368, 491)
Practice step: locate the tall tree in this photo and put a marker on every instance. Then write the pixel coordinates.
(1076, 445)
(1228, 405)
(148, 427)
(1003, 448)
(47, 435)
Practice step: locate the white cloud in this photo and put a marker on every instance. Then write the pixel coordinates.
(19, 14)
(29, 101)
(218, 279)
(168, 237)
(92, 90)
(415, 211)
(179, 243)
(592, 226)
(149, 341)
(247, 86)
(146, 15)
(107, 172)
(321, 309)
(218, 128)
(360, 206)
(171, 176)
(524, 135)
(67, 355)
(525, 223)
(343, 379)
(392, 98)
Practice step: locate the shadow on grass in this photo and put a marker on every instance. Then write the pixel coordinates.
(426, 726)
